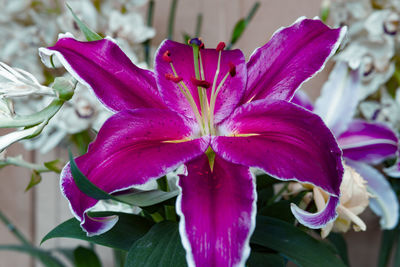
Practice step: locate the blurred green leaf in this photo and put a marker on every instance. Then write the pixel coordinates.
(85, 257)
(89, 34)
(161, 246)
(128, 229)
(258, 259)
(295, 244)
(43, 256)
(340, 243)
(82, 141)
(36, 178)
(388, 241)
(55, 165)
(242, 24)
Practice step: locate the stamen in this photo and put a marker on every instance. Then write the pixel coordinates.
(200, 83)
(171, 77)
(232, 69)
(220, 46)
(167, 57)
(196, 41)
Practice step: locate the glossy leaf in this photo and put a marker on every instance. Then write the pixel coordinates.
(161, 246)
(295, 244)
(85, 257)
(147, 198)
(128, 229)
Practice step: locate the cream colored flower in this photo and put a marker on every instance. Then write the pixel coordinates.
(354, 199)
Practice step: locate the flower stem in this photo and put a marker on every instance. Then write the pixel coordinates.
(13, 229)
(20, 162)
(147, 44)
(171, 20)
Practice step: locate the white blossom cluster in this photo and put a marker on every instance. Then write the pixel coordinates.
(24, 27)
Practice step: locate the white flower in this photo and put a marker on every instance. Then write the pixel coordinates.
(354, 199)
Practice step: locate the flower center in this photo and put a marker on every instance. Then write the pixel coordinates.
(207, 91)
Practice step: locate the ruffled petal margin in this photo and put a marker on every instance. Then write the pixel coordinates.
(289, 143)
(132, 147)
(104, 67)
(292, 56)
(217, 209)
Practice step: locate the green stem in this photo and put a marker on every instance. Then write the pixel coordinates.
(13, 229)
(147, 44)
(20, 162)
(171, 20)
(199, 23)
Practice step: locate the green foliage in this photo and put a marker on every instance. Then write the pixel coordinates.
(36, 178)
(89, 34)
(85, 257)
(128, 229)
(42, 255)
(161, 246)
(295, 244)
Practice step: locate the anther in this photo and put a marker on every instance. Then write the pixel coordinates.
(196, 41)
(167, 57)
(175, 79)
(232, 69)
(220, 46)
(200, 83)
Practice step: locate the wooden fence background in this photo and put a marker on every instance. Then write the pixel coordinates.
(36, 212)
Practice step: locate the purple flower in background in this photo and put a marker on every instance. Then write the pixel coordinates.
(363, 143)
(218, 115)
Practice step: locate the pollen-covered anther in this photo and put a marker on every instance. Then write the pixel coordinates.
(167, 57)
(232, 69)
(171, 77)
(220, 46)
(200, 83)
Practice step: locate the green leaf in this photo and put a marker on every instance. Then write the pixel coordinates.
(161, 246)
(139, 198)
(36, 178)
(85, 257)
(128, 229)
(340, 243)
(89, 34)
(295, 244)
(238, 30)
(43, 256)
(55, 165)
(83, 183)
(242, 24)
(389, 238)
(147, 198)
(82, 141)
(258, 259)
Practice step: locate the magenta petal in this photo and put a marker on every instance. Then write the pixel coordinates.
(131, 148)
(181, 57)
(292, 56)
(301, 98)
(217, 210)
(368, 142)
(103, 67)
(283, 139)
(319, 219)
